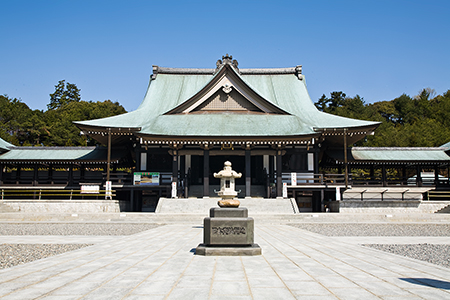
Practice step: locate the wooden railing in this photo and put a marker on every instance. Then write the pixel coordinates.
(49, 194)
(438, 195)
(314, 179)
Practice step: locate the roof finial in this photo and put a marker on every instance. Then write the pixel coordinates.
(227, 60)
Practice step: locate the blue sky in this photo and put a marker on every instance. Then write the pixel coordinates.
(374, 48)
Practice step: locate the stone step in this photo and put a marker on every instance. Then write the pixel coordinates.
(202, 205)
(444, 210)
(154, 218)
(256, 191)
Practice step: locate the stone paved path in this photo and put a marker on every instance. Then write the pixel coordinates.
(160, 264)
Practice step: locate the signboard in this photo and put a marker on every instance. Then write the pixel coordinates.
(293, 179)
(285, 193)
(108, 193)
(146, 178)
(174, 189)
(90, 189)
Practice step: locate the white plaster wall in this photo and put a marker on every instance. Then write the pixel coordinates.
(64, 206)
(391, 206)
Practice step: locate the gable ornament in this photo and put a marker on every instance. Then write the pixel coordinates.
(226, 60)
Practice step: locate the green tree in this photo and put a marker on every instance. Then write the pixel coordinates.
(59, 122)
(63, 95)
(420, 121)
(19, 124)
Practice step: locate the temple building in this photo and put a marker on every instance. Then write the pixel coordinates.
(193, 120)
(261, 120)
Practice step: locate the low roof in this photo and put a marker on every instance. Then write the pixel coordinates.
(5, 146)
(282, 91)
(54, 155)
(446, 145)
(373, 155)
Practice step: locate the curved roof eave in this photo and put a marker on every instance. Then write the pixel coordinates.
(5, 146)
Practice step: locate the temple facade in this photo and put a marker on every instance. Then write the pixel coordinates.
(261, 120)
(193, 120)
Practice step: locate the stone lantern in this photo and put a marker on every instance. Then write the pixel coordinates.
(227, 186)
(228, 230)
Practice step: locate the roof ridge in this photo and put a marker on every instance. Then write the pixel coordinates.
(399, 148)
(53, 147)
(206, 71)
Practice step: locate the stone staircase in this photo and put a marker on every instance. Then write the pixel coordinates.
(256, 191)
(444, 210)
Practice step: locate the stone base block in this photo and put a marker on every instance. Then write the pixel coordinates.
(228, 231)
(202, 249)
(219, 212)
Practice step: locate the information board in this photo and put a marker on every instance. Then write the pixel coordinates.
(146, 178)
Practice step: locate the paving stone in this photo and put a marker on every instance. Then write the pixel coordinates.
(159, 264)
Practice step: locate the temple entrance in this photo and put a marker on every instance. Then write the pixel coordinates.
(258, 176)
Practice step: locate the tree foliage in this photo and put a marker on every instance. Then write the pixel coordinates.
(63, 95)
(420, 121)
(22, 126)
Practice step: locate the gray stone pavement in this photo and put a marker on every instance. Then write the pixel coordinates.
(160, 264)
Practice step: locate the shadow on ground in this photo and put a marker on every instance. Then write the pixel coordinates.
(445, 285)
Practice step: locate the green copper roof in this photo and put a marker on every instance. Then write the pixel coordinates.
(279, 87)
(392, 154)
(5, 146)
(58, 154)
(400, 154)
(446, 145)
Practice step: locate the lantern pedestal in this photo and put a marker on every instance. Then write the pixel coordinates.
(228, 232)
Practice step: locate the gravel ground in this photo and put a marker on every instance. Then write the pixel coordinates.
(432, 253)
(16, 254)
(352, 229)
(73, 228)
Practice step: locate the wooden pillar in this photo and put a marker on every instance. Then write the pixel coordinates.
(404, 179)
(132, 208)
(271, 168)
(138, 158)
(436, 175)
(182, 159)
(175, 168)
(108, 165)
(70, 181)
(206, 173)
(1, 174)
(279, 173)
(418, 176)
(18, 174)
(82, 173)
(372, 173)
(322, 202)
(248, 175)
(345, 158)
(35, 174)
(316, 158)
(383, 175)
(50, 174)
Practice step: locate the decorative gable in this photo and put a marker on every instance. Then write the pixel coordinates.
(227, 92)
(227, 100)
